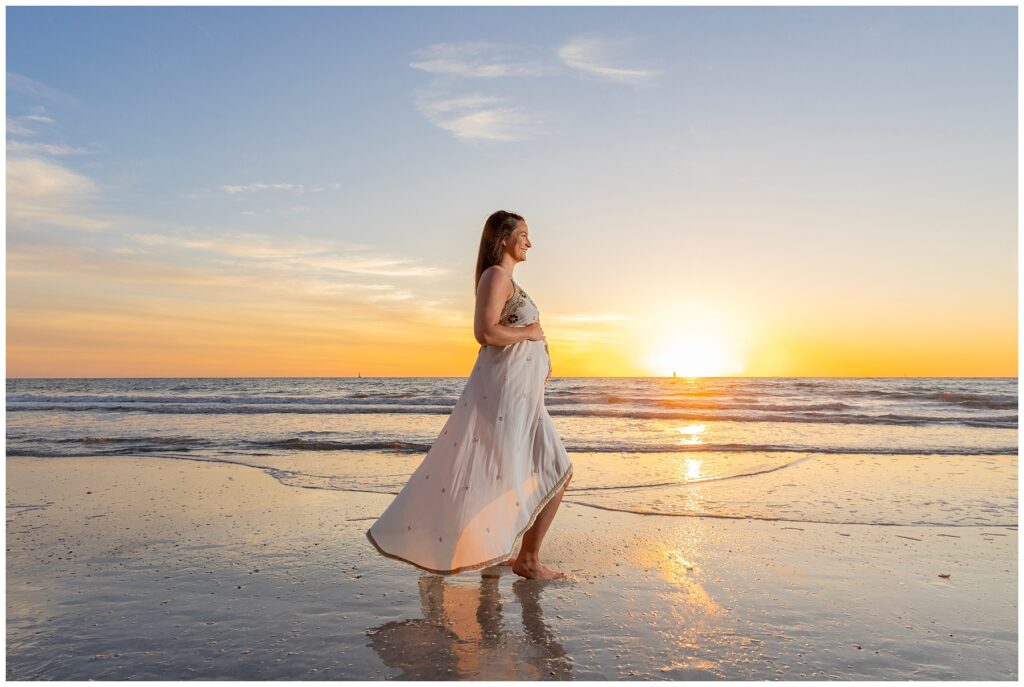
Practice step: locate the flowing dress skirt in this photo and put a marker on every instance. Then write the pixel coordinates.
(492, 469)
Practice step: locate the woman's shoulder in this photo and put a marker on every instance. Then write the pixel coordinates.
(494, 269)
(500, 281)
(496, 272)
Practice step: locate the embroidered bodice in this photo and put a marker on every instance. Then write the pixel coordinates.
(519, 310)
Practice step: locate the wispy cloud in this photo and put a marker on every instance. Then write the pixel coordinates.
(592, 56)
(477, 59)
(41, 192)
(40, 91)
(40, 148)
(239, 244)
(23, 125)
(478, 117)
(84, 264)
(271, 299)
(305, 255)
(291, 188)
(433, 106)
(116, 312)
(39, 116)
(15, 128)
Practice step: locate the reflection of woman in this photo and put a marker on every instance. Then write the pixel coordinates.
(463, 635)
(498, 468)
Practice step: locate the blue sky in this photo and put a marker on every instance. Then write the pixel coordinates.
(827, 168)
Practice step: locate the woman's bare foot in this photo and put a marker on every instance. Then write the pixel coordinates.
(533, 569)
(510, 561)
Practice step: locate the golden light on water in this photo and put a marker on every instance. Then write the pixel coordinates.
(676, 563)
(692, 469)
(692, 434)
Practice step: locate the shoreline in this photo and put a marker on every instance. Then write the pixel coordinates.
(175, 569)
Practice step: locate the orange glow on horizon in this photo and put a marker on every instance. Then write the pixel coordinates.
(104, 325)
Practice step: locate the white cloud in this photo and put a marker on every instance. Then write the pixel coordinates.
(248, 188)
(36, 147)
(236, 244)
(291, 188)
(590, 55)
(474, 116)
(43, 192)
(495, 124)
(39, 116)
(434, 108)
(377, 266)
(16, 129)
(16, 126)
(476, 59)
(304, 255)
(479, 117)
(39, 90)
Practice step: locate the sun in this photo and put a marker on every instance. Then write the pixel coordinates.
(696, 355)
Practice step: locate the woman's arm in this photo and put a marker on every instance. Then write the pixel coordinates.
(492, 293)
(549, 358)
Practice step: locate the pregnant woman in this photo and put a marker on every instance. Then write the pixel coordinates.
(498, 469)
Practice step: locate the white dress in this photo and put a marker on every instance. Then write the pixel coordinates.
(496, 463)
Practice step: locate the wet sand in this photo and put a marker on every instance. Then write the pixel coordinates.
(149, 568)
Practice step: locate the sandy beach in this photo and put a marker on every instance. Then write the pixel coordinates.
(153, 568)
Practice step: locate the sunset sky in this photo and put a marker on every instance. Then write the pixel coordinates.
(714, 191)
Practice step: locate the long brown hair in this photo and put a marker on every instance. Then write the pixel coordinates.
(498, 227)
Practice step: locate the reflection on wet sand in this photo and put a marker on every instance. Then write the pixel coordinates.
(463, 635)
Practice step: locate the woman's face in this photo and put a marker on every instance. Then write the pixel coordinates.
(518, 242)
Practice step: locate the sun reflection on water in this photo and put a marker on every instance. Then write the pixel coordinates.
(692, 469)
(692, 434)
(677, 566)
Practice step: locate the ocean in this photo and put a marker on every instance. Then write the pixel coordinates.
(872, 451)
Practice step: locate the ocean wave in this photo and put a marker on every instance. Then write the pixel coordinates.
(65, 400)
(957, 398)
(127, 445)
(554, 400)
(1003, 421)
(771, 518)
(812, 418)
(294, 444)
(579, 496)
(172, 441)
(684, 483)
